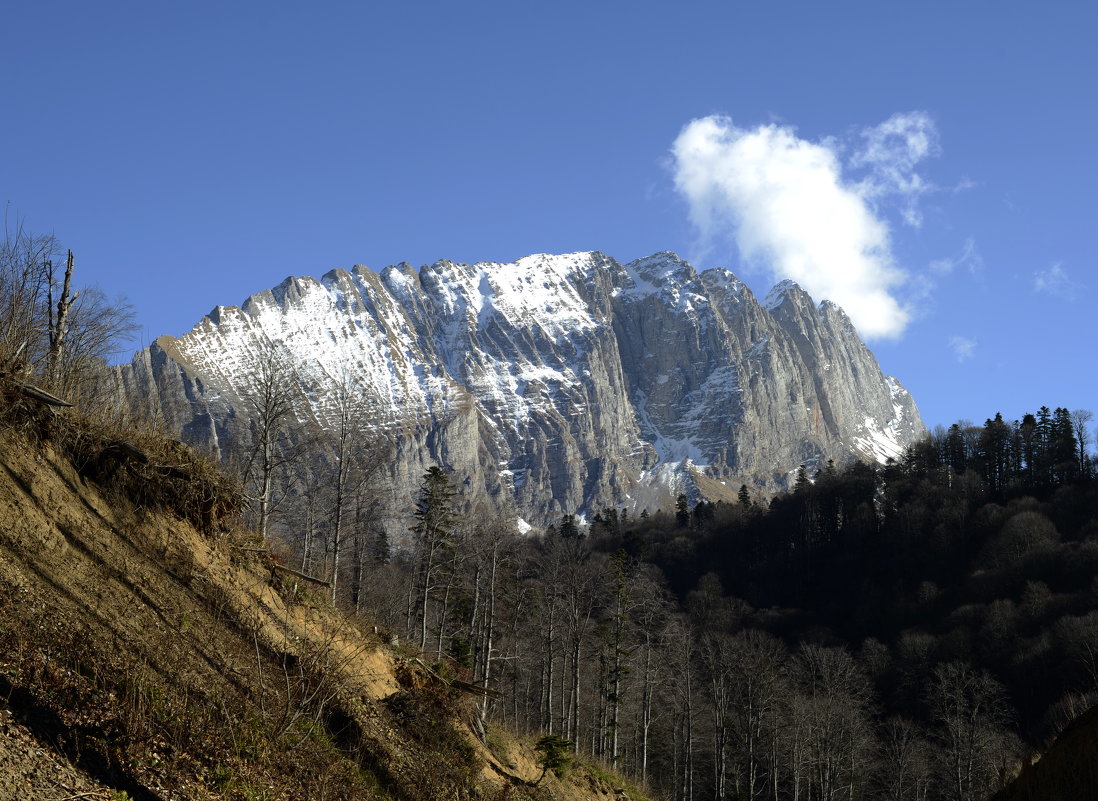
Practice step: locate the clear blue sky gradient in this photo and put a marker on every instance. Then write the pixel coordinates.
(194, 153)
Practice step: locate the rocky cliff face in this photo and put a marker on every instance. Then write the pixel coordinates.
(567, 383)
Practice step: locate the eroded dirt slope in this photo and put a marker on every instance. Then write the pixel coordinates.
(148, 647)
(132, 641)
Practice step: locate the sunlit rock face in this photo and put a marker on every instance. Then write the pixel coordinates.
(556, 384)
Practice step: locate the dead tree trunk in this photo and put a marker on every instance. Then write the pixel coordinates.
(59, 319)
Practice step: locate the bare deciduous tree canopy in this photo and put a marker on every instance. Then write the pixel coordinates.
(50, 332)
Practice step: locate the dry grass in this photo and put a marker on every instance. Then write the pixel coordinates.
(131, 459)
(139, 640)
(146, 637)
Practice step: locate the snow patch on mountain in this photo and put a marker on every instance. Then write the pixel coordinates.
(884, 440)
(567, 381)
(778, 294)
(878, 442)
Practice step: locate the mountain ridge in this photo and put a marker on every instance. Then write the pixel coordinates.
(566, 382)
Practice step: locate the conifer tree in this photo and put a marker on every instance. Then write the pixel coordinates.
(568, 528)
(682, 511)
(435, 516)
(1064, 457)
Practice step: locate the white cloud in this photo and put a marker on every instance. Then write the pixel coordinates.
(891, 152)
(968, 259)
(921, 287)
(1055, 281)
(963, 185)
(963, 348)
(784, 202)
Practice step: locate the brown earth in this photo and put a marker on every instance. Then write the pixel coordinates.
(154, 651)
(30, 768)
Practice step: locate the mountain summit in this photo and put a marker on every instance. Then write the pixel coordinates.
(564, 382)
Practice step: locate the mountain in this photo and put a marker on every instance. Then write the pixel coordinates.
(566, 382)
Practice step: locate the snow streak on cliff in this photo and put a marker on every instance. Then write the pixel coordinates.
(566, 382)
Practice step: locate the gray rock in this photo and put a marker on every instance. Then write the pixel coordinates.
(553, 385)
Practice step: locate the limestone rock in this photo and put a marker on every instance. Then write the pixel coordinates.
(557, 384)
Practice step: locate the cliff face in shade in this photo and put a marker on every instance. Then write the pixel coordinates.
(567, 383)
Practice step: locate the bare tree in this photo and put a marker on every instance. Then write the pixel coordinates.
(358, 455)
(48, 330)
(548, 600)
(23, 301)
(309, 519)
(434, 531)
(491, 549)
(682, 657)
(580, 574)
(621, 643)
(1080, 419)
(58, 315)
(905, 769)
(755, 663)
(271, 398)
(834, 699)
(715, 653)
(97, 328)
(970, 709)
(651, 617)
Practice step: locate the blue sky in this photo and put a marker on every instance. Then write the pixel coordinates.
(192, 154)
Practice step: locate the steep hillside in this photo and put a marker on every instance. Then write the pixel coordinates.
(151, 647)
(566, 383)
(1068, 771)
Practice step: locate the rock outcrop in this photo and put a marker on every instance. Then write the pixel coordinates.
(566, 383)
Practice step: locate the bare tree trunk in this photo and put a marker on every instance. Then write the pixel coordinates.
(310, 524)
(409, 627)
(688, 777)
(337, 524)
(573, 701)
(444, 607)
(550, 657)
(271, 398)
(489, 628)
(1080, 419)
(615, 707)
(562, 691)
(428, 570)
(474, 633)
(306, 539)
(356, 462)
(646, 706)
(58, 324)
(359, 554)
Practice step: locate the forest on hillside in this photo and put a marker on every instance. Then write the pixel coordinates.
(909, 631)
(915, 630)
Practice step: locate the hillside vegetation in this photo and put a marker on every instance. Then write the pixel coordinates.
(151, 648)
(918, 630)
(922, 629)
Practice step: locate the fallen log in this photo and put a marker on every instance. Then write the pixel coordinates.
(458, 684)
(128, 451)
(40, 395)
(475, 689)
(301, 575)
